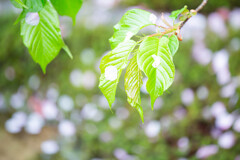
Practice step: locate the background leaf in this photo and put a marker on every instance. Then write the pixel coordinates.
(161, 77)
(131, 22)
(20, 17)
(173, 44)
(44, 40)
(18, 4)
(119, 59)
(34, 5)
(133, 83)
(67, 7)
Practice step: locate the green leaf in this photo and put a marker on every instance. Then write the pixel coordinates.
(43, 40)
(130, 24)
(155, 60)
(67, 50)
(176, 13)
(67, 7)
(34, 5)
(18, 4)
(20, 17)
(133, 83)
(173, 44)
(111, 67)
(31, 6)
(183, 18)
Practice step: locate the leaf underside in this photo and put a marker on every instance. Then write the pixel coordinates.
(118, 58)
(132, 21)
(133, 83)
(173, 44)
(161, 77)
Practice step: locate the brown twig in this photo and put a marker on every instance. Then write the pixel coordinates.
(204, 2)
(176, 30)
(164, 21)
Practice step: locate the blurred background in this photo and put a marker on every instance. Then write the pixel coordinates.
(62, 115)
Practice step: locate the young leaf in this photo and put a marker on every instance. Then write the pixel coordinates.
(176, 13)
(173, 44)
(133, 83)
(111, 67)
(67, 7)
(130, 24)
(42, 35)
(155, 60)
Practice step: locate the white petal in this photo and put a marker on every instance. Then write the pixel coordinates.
(66, 128)
(153, 18)
(49, 147)
(128, 36)
(111, 73)
(156, 62)
(32, 18)
(227, 140)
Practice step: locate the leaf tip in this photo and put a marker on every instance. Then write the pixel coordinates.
(140, 111)
(67, 50)
(111, 109)
(43, 69)
(152, 103)
(43, 66)
(74, 20)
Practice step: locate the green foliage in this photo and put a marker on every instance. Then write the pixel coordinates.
(67, 7)
(34, 6)
(41, 34)
(44, 40)
(111, 67)
(133, 83)
(30, 6)
(183, 14)
(130, 24)
(192, 126)
(155, 61)
(129, 136)
(40, 27)
(153, 55)
(173, 44)
(176, 13)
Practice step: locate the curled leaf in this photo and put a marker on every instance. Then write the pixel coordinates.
(111, 67)
(176, 13)
(133, 83)
(173, 44)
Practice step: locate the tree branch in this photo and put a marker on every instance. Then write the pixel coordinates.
(204, 2)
